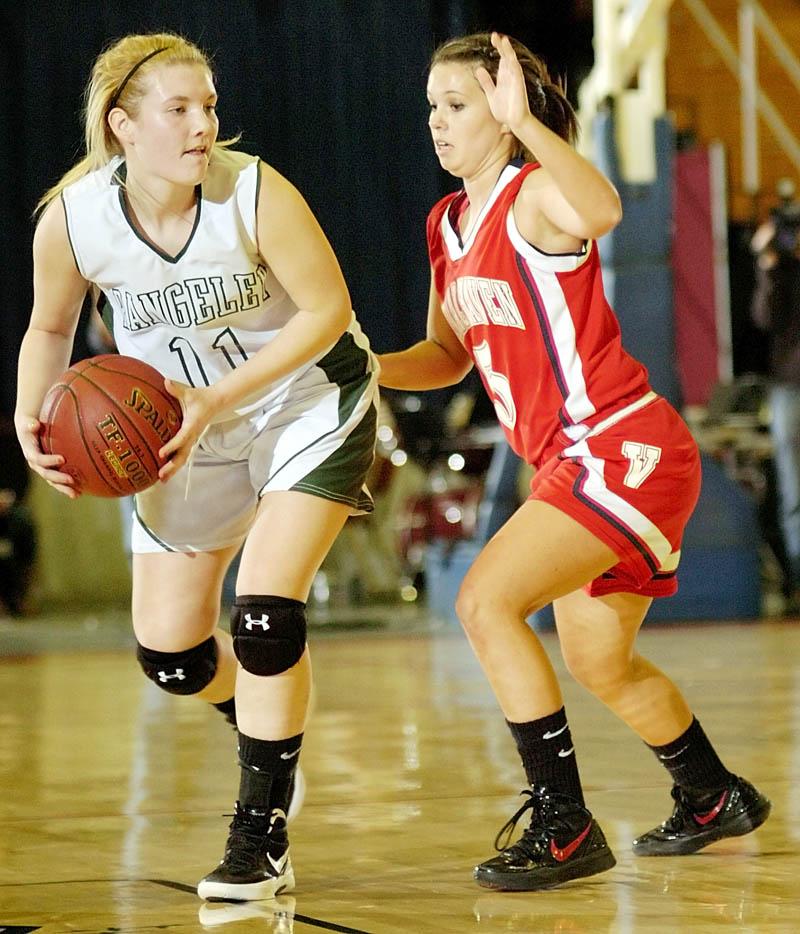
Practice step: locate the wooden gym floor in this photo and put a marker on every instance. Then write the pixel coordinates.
(112, 794)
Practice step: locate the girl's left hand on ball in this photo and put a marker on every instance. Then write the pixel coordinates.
(198, 409)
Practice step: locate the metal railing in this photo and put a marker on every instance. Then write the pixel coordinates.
(630, 43)
(630, 52)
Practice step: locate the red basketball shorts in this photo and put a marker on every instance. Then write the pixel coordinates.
(632, 481)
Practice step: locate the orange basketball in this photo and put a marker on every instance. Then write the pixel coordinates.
(108, 416)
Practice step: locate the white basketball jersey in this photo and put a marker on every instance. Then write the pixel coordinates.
(196, 315)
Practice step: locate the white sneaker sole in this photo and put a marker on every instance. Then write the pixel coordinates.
(248, 892)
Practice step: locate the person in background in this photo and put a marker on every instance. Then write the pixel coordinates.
(217, 273)
(776, 311)
(516, 291)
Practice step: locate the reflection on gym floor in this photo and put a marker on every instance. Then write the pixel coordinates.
(114, 794)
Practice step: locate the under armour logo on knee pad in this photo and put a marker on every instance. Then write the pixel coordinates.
(164, 677)
(269, 633)
(184, 672)
(249, 622)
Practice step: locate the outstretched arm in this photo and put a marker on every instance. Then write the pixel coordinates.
(440, 360)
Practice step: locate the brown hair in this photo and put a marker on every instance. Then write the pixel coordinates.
(119, 79)
(546, 97)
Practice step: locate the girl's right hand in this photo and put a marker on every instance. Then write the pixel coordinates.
(507, 96)
(46, 465)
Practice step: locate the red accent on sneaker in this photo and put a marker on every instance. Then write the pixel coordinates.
(569, 849)
(705, 818)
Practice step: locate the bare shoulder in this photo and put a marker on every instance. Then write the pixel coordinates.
(284, 218)
(535, 207)
(51, 227)
(275, 189)
(51, 243)
(58, 286)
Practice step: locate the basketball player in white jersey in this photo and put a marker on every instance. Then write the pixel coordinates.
(214, 271)
(516, 290)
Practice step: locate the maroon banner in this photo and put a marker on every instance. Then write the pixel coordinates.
(695, 298)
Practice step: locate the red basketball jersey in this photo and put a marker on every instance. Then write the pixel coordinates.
(537, 325)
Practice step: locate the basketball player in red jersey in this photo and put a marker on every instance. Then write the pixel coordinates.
(516, 291)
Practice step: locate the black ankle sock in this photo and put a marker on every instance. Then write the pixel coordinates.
(228, 708)
(548, 756)
(692, 762)
(267, 771)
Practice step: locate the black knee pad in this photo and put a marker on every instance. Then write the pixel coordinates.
(269, 633)
(180, 672)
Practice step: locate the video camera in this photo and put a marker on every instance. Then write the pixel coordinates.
(785, 219)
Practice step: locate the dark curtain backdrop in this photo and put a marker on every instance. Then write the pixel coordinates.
(330, 92)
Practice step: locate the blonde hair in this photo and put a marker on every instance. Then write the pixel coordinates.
(119, 79)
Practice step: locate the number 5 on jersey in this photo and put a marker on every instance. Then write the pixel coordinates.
(499, 387)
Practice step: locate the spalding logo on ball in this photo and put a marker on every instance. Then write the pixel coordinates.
(108, 417)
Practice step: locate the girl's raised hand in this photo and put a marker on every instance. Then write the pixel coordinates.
(507, 95)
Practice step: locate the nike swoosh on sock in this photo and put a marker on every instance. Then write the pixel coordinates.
(553, 735)
(675, 756)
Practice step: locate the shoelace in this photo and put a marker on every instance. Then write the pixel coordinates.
(685, 807)
(247, 837)
(508, 828)
(680, 812)
(243, 850)
(534, 837)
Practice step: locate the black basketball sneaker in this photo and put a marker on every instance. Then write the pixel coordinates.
(562, 842)
(256, 864)
(732, 811)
